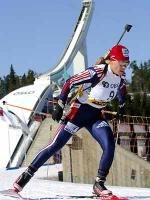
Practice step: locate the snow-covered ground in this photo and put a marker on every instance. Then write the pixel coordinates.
(44, 186)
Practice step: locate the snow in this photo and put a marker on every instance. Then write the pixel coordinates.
(45, 185)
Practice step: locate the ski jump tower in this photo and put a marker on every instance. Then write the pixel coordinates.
(75, 52)
(21, 104)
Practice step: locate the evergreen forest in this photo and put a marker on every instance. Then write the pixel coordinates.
(138, 89)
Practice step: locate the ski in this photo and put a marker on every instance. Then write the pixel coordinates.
(75, 197)
(110, 197)
(11, 193)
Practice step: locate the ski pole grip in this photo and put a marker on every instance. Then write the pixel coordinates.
(128, 27)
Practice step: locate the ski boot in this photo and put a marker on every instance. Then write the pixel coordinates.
(23, 179)
(99, 189)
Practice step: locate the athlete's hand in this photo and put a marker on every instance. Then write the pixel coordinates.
(58, 111)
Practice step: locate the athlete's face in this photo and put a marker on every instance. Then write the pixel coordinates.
(119, 67)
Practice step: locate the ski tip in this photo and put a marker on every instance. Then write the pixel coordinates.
(10, 193)
(108, 197)
(118, 198)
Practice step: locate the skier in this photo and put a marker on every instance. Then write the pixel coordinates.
(100, 84)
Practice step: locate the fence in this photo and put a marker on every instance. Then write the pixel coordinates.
(131, 165)
(134, 135)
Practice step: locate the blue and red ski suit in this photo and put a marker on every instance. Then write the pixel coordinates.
(98, 87)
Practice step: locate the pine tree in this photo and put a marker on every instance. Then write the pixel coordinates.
(12, 80)
(30, 77)
(24, 80)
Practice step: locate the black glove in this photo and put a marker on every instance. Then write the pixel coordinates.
(120, 113)
(58, 111)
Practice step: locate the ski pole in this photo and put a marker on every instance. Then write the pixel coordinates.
(101, 60)
(126, 29)
(109, 112)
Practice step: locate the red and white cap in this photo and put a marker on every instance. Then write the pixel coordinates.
(120, 53)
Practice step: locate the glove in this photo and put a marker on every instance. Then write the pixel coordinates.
(120, 113)
(58, 111)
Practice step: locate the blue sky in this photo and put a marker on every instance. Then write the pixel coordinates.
(34, 33)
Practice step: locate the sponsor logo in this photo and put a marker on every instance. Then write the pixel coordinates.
(125, 52)
(24, 93)
(102, 124)
(107, 85)
(115, 85)
(71, 128)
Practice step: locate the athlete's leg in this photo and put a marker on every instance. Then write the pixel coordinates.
(64, 133)
(60, 139)
(103, 134)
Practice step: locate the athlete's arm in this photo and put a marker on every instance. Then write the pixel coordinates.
(91, 75)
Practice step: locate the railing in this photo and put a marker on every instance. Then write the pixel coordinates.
(133, 134)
